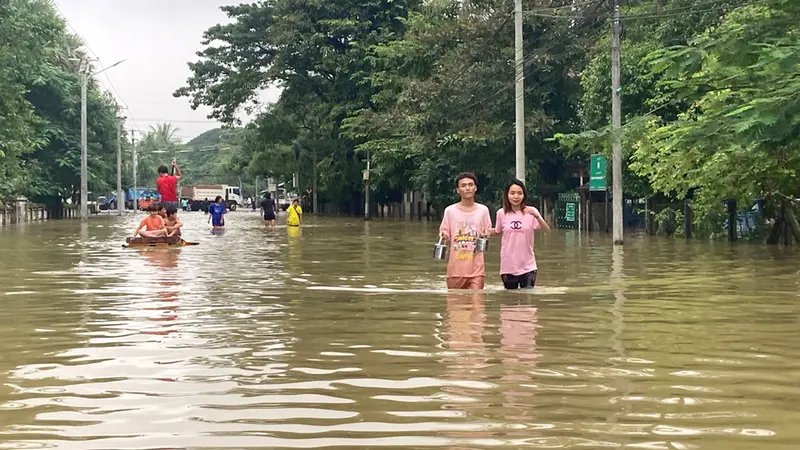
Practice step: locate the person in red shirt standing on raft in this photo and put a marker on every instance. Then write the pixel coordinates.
(167, 184)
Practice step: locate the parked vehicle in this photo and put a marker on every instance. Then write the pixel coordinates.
(199, 197)
(103, 204)
(142, 194)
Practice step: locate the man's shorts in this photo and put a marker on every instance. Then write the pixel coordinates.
(269, 215)
(465, 282)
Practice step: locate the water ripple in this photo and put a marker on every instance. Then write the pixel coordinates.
(342, 335)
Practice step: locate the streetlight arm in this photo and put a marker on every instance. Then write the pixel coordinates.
(113, 65)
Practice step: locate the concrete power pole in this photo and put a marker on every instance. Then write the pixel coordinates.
(616, 127)
(314, 209)
(135, 200)
(366, 189)
(120, 196)
(84, 168)
(519, 91)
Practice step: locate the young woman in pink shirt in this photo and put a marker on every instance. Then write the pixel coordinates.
(516, 222)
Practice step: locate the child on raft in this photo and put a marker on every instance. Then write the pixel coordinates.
(171, 222)
(152, 225)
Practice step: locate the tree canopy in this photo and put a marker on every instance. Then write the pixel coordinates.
(40, 108)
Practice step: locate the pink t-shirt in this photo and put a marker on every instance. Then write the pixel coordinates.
(516, 249)
(463, 229)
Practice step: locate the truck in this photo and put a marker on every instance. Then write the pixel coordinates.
(144, 195)
(199, 197)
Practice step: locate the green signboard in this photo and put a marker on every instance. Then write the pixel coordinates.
(568, 208)
(597, 173)
(570, 216)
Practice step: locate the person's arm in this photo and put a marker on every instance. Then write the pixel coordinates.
(177, 226)
(177, 170)
(444, 227)
(498, 223)
(538, 216)
(487, 223)
(141, 225)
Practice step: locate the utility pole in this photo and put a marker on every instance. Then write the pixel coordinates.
(277, 202)
(366, 189)
(85, 68)
(135, 201)
(84, 168)
(519, 91)
(616, 127)
(314, 182)
(120, 196)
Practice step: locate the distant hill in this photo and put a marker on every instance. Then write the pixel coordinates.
(206, 158)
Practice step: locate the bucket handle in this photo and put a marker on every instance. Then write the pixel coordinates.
(440, 240)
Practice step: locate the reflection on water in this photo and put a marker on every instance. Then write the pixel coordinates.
(341, 334)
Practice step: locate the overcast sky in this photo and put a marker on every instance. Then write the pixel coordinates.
(156, 38)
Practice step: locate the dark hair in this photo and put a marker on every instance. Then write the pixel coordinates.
(469, 175)
(217, 199)
(268, 196)
(296, 201)
(154, 207)
(158, 205)
(506, 203)
(171, 210)
(163, 169)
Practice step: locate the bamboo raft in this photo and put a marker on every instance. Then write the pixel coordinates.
(172, 241)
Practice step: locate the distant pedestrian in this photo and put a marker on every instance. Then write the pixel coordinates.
(167, 184)
(268, 209)
(295, 214)
(216, 213)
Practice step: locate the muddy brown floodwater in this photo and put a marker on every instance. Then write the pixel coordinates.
(341, 335)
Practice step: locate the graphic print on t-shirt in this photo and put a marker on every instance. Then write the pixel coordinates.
(464, 240)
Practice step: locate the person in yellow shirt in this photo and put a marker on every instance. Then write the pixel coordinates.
(295, 214)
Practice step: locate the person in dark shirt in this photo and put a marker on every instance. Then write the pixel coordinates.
(268, 209)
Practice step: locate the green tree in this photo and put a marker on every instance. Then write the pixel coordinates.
(27, 31)
(318, 53)
(740, 136)
(40, 108)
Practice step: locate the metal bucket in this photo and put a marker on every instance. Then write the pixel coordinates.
(440, 250)
(481, 244)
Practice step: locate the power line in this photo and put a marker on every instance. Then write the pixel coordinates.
(85, 43)
(670, 12)
(143, 119)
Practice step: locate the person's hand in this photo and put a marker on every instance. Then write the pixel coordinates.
(445, 235)
(174, 163)
(532, 211)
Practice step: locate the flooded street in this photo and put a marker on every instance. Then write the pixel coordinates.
(342, 335)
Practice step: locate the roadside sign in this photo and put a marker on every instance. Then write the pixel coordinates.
(570, 216)
(597, 173)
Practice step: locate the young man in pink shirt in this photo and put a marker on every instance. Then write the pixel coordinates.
(461, 226)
